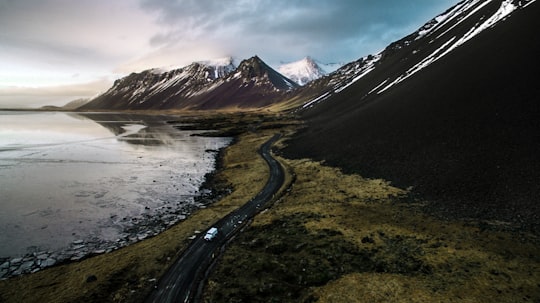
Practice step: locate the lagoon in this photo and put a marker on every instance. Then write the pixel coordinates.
(100, 180)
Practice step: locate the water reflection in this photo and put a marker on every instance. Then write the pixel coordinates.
(29, 129)
(67, 177)
(155, 132)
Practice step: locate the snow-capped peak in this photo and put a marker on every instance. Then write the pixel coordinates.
(302, 71)
(221, 67)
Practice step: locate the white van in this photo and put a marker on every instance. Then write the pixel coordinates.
(211, 234)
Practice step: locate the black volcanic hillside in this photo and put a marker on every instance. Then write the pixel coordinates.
(464, 131)
(196, 87)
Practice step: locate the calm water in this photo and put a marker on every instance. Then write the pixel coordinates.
(67, 177)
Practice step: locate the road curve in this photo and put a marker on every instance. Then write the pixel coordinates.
(181, 281)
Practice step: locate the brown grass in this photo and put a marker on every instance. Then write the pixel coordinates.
(398, 253)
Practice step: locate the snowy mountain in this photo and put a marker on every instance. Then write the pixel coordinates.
(153, 89)
(196, 84)
(450, 111)
(302, 71)
(433, 41)
(201, 85)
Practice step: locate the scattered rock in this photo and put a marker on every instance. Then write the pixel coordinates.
(91, 278)
(16, 261)
(42, 256)
(299, 246)
(135, 229)
(48, 262)
(77, 257)
(3, 273)
(368, 240)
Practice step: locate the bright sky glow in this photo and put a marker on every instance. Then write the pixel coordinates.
(69, 49)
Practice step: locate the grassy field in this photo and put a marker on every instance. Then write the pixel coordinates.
(341, 238)
(332, 237)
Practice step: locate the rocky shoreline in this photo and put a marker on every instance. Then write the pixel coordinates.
(144, 227)
(135, 229)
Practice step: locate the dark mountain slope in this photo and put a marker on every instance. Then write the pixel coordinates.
(254, 84)
(464, 131)
(152, 89)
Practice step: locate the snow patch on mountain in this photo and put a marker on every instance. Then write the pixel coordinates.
(424, 63)
(316, 100)
(507, 7)
(220, 67)
(366, 69)
(444, 18)
(474, 11)
(345, 76)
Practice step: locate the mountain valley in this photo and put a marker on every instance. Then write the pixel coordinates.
(430, 112)
(411, 174)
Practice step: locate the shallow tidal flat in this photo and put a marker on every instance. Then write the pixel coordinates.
(74, 185)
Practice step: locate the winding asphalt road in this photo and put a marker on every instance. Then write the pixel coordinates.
(184, 277)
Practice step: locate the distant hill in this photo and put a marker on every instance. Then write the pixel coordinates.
(72, 105)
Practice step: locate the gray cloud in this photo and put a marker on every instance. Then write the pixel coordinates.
(18, 97)
(334, 30)
(46, 42)
(45, 37)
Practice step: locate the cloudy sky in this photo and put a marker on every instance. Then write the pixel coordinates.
(52, 51)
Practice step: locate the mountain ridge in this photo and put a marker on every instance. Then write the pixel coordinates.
(472, 21)
(460, 131)
(198, 86)
(434, 40)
